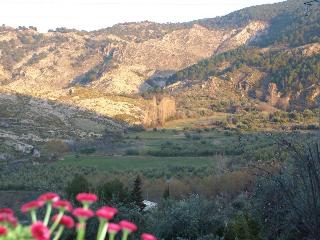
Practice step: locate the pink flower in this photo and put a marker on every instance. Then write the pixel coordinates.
(147, 236)
(8, 219)
(87, 197)
(3, 231)
(31, 206)
(129, 226)
(106, 213)
(39, 231)
(49, 197)
(12, 220)
(65, 221)
(114, 228)
(6, 211)
(83, 213)
(63, 205)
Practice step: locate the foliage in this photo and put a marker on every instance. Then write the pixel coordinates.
(55, 149)
(166, 193)
(37, 58)
(191, 218)
(78, 184)
(291, 71)
(288, 23)
(288, 203)
(88, 150)
(242, 227)
(136, 193)
(113, 190)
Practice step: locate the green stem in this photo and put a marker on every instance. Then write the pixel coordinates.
(81, 229)
(101, 222)
(112, 236)
(103, 232)
(86, 205)
(59, 233)
(56, 222)
(33, 215)
(48, 213)
(125, 235)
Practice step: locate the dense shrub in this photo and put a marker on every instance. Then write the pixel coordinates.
(77, 185)
(192, 218)
(288, 203)
(113, 191)
(88, 150)
(242, 227)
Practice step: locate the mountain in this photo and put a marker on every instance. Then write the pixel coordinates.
(288, 23)
(284, 58)
(116, 60)
(82, 83)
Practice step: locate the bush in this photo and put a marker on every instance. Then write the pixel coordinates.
(113, 191)
(242, 227)
(187, 135)
(37, 58)
(187, 219)
(132, 152)
(77, 185)
(196, 137)
(291, 197)
(88, 150)
(55, 149)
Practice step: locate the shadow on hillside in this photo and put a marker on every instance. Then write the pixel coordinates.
(157, 80)
(22, 107)
(27, 122)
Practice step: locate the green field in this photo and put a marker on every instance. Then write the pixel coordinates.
(123, 163)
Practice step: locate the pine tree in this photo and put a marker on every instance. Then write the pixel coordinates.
(136, 194)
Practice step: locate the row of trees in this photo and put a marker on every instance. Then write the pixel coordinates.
(108, 192)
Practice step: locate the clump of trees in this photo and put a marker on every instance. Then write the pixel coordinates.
(109, 191)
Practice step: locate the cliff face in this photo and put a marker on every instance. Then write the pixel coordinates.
(159, 111)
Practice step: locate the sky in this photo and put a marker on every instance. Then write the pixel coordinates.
(96, 14)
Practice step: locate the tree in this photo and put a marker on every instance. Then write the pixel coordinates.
(78, 184)
(112, 136)
(166, 193)
(113, 190)
(55, 149)
(136, 194)
(242, 227)
(292, 196)
(308, 5)
(192, 218)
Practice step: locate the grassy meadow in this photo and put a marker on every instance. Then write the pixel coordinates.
(126, 163)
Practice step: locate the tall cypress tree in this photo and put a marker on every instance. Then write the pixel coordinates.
(136, 194)
(166, 193)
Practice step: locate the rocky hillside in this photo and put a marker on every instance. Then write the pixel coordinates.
(285, 78)
(81, 83)
(111, 62)
(68, 74)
